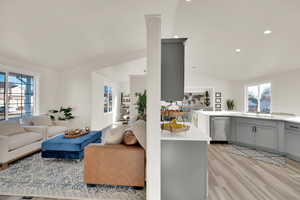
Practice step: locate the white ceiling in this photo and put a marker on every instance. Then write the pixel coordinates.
(67, 33)
(217, 27)
(61, 34)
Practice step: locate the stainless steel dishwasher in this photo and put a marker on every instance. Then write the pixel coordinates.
(220, 128)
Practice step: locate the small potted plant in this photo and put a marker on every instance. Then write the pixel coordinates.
(230, 104)
(141, 104)
(61, 116)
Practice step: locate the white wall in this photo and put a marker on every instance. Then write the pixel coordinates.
(137, 84)
(75, 91)
(99, 119)
(285, 91)
(82, 89)
(124, 87)
(196, 77)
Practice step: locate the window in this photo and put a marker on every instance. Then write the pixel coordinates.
(107, 99)
(16, 95)
(2, 95)
(258, 98)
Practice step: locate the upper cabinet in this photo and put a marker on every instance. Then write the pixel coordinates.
(172, 69)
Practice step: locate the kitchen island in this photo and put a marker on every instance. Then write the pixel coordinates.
(273, 133)
(184, 166)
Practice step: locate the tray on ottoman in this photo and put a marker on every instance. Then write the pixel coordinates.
(69, 148)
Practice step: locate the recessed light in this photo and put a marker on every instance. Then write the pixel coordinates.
(267, 32)
(188, 0)
(176, 36)
(238, 50)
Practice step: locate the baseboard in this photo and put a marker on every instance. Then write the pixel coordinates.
(218, 142)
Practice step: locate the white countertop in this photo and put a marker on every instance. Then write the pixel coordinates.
(287, 118)
(193, 134)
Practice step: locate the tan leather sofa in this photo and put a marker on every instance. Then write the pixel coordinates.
(116, 164)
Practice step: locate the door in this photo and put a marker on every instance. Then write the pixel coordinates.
(266, 137)
(245, 133)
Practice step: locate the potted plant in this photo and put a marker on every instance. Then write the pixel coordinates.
(63, 114)
(141, 104)
(230, 104)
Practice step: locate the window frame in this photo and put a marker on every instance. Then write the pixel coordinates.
(246, 96)
(7, 70)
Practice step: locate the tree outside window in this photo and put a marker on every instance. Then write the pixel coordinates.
(259, 98)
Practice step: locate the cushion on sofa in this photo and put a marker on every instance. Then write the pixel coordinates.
(10, 127)
(42, 120)
(55, 130)
(26, 121)
(114, 135)
(139, 130)
(22, 139)
(129, 138)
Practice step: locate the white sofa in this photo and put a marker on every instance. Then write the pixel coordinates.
(17, 141)
(53, 129)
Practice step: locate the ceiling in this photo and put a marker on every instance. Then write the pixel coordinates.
(217, 27)
(121, 73)
(62, 34)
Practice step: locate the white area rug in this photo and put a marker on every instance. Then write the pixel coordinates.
(52, 178)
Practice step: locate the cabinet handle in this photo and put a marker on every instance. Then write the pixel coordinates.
(295, 127)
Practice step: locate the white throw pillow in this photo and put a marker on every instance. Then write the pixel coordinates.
(10, 127)
(42, 120)
(114, 135)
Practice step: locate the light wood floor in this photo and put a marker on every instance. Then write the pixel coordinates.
(234, 177)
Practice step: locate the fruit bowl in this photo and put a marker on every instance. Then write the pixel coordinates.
(173, 126)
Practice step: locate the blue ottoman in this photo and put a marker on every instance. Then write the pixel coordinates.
(69, 148)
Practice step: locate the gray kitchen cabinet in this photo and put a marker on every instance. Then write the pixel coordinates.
(292, 140)
(266, 137)
(184, 166)
(245, 133)
(258, 133)
(172, 69)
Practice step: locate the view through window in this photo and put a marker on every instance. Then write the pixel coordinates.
(259, 98)
(18, 91)
(107, 99)
(2, 96)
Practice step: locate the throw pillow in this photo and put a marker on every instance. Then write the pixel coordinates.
(10, 127)
(129, 138)
(42, 120)
(139, 130)
(114, 135)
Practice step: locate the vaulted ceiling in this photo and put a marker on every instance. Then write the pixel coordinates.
(70, 33)
(62, 34)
